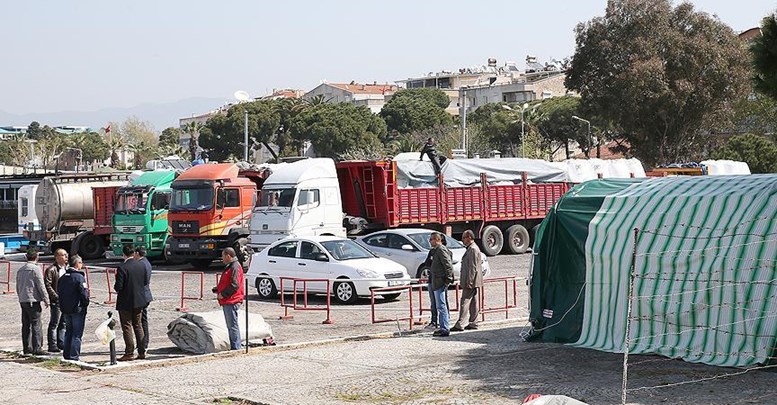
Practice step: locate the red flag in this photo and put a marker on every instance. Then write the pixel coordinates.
(108, 128)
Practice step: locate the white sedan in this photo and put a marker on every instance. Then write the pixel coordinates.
(410, 248)
(324, 257)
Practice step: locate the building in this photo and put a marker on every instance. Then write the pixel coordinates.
(278, 94)
(372, 96)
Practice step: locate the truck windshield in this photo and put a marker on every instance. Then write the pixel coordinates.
(279, 197)
(192, 199)
(131, 203)
(346, 249)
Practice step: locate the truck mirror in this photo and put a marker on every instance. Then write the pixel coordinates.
(322, 257)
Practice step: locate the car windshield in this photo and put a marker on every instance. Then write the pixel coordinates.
(131, 203)
(279, 197)
(422, 238)
(192, 199)
(346, 249)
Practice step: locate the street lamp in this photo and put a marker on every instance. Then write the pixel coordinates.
(523, 138)
(590, 140)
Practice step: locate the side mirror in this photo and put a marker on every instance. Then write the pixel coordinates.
(322, 257)
(407, 247)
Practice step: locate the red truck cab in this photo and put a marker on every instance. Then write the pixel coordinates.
(210, 210)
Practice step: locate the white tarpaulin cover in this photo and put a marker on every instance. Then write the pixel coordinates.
(725, 167)
(466, 172)
(206, 332)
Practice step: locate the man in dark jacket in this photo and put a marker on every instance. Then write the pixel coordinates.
(230, 293)
(73, 301)
(130, 286)
(140, 255)
(442, 276)
(430, 151)
(56, 330)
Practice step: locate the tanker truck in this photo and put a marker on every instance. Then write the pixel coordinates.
(75, 212)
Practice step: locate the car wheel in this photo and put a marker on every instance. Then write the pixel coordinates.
(491, 241)
(266, 288)
(517, 239)
(345, 292)
(422, 273)
(391, 297)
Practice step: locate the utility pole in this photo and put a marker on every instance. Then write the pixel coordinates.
(245, 132)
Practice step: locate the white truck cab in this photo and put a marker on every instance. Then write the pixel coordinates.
(298, 199)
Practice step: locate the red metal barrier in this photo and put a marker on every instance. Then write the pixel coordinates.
(183, 308)
(379, 291)
(424, 283)
(88, 284)
(108, 272)
(7, 281)
(506, 307)
(305, 306)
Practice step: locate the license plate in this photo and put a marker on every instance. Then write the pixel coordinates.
(394, 283)
(183, 245)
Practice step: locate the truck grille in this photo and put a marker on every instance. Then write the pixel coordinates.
(130, 229)
(191, 227)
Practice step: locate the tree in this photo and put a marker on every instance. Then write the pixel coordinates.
(34, 131)
(556, 126)
(415, 110)
(658, 73)
(223, 135)
(757, 151)
(500, 123)
(334, 129)
(763, 51)
(170, 137)
(93, 146)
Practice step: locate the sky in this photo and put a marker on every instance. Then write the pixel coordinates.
(91, 54)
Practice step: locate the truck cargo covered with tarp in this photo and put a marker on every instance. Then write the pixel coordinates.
(705, 268)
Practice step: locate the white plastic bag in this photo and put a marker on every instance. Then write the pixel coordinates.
(105, 334)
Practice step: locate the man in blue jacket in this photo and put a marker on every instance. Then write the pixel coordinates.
(73, 301)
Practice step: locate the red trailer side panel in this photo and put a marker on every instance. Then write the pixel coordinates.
(104, 202)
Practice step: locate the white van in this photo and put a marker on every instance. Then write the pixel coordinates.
(28, 220)
(299, 199)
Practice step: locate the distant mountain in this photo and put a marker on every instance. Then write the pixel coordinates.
(160, 115)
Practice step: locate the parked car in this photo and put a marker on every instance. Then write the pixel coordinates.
(325, 257)
(410, 247)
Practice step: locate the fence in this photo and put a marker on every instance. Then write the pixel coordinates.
(507, 306)
(108, 272)
(305, 306)
(7, 281)
(183, 308)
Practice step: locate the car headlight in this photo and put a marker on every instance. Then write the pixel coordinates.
(367, 273)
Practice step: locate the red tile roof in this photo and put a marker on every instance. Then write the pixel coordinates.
(358, 88)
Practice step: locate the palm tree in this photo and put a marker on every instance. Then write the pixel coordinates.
(193, 129)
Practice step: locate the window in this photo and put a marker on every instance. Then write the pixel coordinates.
(380, 240)
(228, 197)
(286, 249)
(160, 201)
(308, 197)
(346, 249)
(309, 251)
(396, 241)
(25, 206)
(195, 199)
(270, 198)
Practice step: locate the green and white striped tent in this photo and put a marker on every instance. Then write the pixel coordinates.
(705, 277)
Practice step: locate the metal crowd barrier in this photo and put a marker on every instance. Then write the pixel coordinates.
(305, 307)
(507, 306)
(378, 291)
(108, 272)
(183, 308)
(7, 281)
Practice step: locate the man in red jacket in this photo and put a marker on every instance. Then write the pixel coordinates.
(230, 293)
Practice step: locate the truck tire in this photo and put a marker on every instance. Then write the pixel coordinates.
(89, 246)
(491, 241)
(201, 264)
(243, 252)
(517, 239)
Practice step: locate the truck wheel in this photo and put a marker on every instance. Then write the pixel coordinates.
(200, 263)
(517, 239)
(243, 252)
(491, 241)
(91, 246)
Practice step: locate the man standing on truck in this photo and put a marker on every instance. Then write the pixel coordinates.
(471, 284)
(430, 151)
(56, 331)
(230, 293)
(442, 276)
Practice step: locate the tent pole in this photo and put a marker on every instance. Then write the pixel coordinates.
(627, 342)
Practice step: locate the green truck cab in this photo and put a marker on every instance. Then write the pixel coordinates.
(140, 215)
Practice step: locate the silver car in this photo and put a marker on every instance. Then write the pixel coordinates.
(410, 248)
